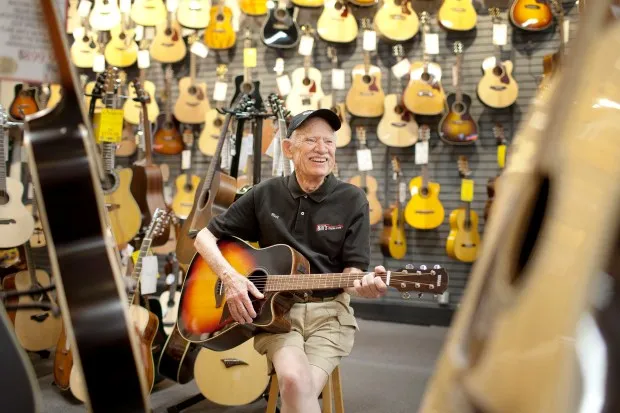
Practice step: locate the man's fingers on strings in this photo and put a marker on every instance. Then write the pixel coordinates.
(254, 290)
(247, 303)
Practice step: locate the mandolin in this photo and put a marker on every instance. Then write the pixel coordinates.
(306, 90)
(219, 34)
(336, 23)
(148, 12)
(105, 15)
(122, 49)
(498, 132)
(167, 139)
(367, 182)
(194, 14)
(280, 29)
(397, 127)
(204, 318)
(332, 102)
(497, 88)
(168, 45)
(24, 103)
(424, 94)
(457, 127)
(253, 7)
(207, 142)
(393, 239)
(424, 210)
(396, 20)
(531, 15)
(192, 102)
(458, 15)
(464, 239)
(85, 47)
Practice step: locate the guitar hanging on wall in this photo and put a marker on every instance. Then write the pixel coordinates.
(498, 132)
(333, 103)
(531, 15)
(168, 45)
(192, 102)
(306, 90)
(365, 181)
(207, 142)
(396, 20)
(393, 238)
(458, 15)
(336, 23)
(280, 29)
(168, 140)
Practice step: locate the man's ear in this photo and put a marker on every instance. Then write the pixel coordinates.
(287, 148)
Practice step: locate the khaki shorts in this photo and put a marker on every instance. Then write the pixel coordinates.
(324, 331)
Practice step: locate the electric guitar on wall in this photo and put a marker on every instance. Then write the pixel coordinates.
(207, 142)
(167, 139)
(24, 103)
(368, 182)
(148, 12)
(393, 238)
(332, 102)
(219, 34)
(280, 29)
(168, 45)
(336, 23)
(192, 102)
(194, 14)
(498, 132)
(306, 90)
(459, 15)
(105, 15)
(122, 49)
(458, 127)
(396, 20)
(531, 15)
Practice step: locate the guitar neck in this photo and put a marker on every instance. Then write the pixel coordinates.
(192, 68)
(168, 101)
(459, 93)
(286, 164)
(304, 282)
(146, 126)
(137, 269)
(3, 150)
(30, 264)
(367, 62)
(425, 176)
(467, 215)
(108, 153)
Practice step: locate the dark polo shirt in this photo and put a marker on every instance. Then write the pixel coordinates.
(329, 226)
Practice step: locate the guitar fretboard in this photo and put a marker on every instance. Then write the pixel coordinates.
(137, 269)
(2, 158)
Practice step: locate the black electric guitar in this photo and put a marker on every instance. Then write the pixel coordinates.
(280, 29)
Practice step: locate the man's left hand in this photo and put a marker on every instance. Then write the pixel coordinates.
(371, 285)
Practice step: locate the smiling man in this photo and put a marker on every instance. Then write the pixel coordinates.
(327, 221)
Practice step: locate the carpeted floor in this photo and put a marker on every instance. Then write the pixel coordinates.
(386, 373)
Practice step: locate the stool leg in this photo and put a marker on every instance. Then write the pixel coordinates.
(337, 385)
(274, 391)
(327, 396)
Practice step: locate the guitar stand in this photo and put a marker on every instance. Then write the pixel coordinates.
(186, 404)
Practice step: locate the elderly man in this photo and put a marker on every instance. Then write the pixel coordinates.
(327, 221)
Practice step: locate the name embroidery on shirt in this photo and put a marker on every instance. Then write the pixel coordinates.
(275, 216)
(328, 227)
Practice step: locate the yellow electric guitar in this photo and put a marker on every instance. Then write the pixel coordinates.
(192, 103)
(331, 101)
(393, 238)
(132, 108)
(459, 15)
(337, 23)
(396, 20)
(148, 12)
(220, 34)
(464, 239)
(207, 142)
(306, 90)
(121, 50)
(194, 14)
(253, 7)
(168, 45)
(424, 210)
(105, 15)
(367, 182)
(85, 46)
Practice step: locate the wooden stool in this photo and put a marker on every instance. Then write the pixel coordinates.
(332, 390)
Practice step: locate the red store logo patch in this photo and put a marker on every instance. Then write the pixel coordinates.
(328, 227)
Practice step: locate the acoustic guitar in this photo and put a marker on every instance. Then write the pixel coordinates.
(458, 127)
(186, 187)
(336, 105)
(458, 15)
(306, 90)
(424, 209)
(364, 3)
(207, 142)
(336, 23)
(128, 146)
(553, 62)
(397, 126)
(253, 7)
(396, 20)
(54, 98)
(24, 103)
(178, 358)
(122, 49)
(393, 239)
(167, 139)
(105, 15)
(531, 15)
(73, 18)
(497, 88)
(464, 239)
(498, 132)
(85, 47)
(204, 317)
(424, 94)
(308, 3)
(367, 182)
(219, 34)
(194, 14)
(169, 299)
(280, 29)
(132, 109)
(148, 12)
(168, 46)
(192, 103)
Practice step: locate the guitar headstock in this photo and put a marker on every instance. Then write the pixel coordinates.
(557, 9)
(100, 83)
(421, 280)
(332, 54)
(277, 106)
(424, 19)
(192, 38)
(367, 23)
(463, 165)
(247, 39)
(495, 14)
(398, 51)
(361, 135)
(159, 222)
(396, 167)
(424, 133)
(498, 132)
(458, 47)
(221, 71)
(141, 95)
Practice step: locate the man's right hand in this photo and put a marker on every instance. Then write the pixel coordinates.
(236, 288)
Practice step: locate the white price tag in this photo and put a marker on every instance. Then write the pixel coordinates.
(305, 45)
(84, 8)
(566, 31)
(247, 146)
(168, 194)
(144, 59)
(421, 153)
(78, 33)
(149, 32)
(199, 49)
(148, 276)
(30, 190)
(370, 41)
(219, 91)
(172, 5)
(500, 34)
(401, 68)
(186, 159)
(402, 192)
(338, 79)
(124, 6)
(171, 279)
(364, 160)
(431, 43)
(98, 63)
(138, 33)
(284, 84)
(279, 67)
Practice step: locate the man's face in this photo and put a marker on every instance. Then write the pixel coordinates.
(312, 147)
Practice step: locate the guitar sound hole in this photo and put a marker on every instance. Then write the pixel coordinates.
(92, 45)
(425, 76)
(498, 71)
(122, 36)
(218, 123)
(307, 82)
(247, 88)
(188, 187)
(338, 5)
(280, 14)
(168, 31)
(192, 90)
(424, 191)
(398, 2)
(109, 182)
(220, 18)
(4, 198)
(458, 107)
(398, 109)
(367, 79)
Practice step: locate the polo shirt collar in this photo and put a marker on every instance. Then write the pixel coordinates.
(319, 195)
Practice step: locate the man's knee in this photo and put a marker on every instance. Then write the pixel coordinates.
(296, 382)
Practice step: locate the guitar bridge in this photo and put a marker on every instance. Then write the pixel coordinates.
(232, 362)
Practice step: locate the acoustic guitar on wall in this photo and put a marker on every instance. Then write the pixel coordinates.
(396, 20)
(148, 12)
(168, 45)
(531, 15)
(85, 47)
(167, 139)
(105, 15)
(122, 49)
(306, 90)
(192, 102)
(219, 34)
(194, 14)
(308, 3)
(336, 105)
(253, 7)
(336, 23)
(458, 15)
(280, 29)
(393, 238)
(132, 107)
(170, 298)
(207, 142)
(25, 102)
(186, 186)
(367, 182)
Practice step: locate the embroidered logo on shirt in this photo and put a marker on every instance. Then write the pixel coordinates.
(275, 216)
(328, 227)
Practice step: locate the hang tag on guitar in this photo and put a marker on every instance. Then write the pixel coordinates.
(108, 125)
(144, 59)
(249, 57)
(467, 190)
(284, 84)
(501, 156)
(124, 6)
(566, 30)
(279, 66)
(402, 192)
(364, 160)
(199, 49)
(219, 91)
(369, 43)
(148, 275)
(421, 153)
(305, 45)
(186, 159)
(338, 79)
(401, 68)
(78, 33)
(138, 33)
(172, 5)
(431, 43)
(98, 63)
(84, 8)
(500, 34)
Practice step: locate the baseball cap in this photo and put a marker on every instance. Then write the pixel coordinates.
(326, 114)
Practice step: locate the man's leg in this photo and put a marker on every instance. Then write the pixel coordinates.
(297, 381)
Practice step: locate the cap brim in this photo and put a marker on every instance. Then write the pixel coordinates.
(325, 114)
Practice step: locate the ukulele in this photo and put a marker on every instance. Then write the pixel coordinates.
(219, 34)
(148, 12)
(457, 127)
(367, 182)
(397, 127)
(121, 50)
(253, 7)
(306, 90)
(24, 103)
(393, 238)
(531, 15)
(396, 20)
(132, 107)
(336, 23)
(424, 94)
(194, 14)
(168, 45)
(207, 142)
(365, 97)
(167, 140)
(331, 101)
(85, 47)
(464, 239)
(458, 15)
(497, 88)
(498, 132)
(280, 29)
(192, 103)
(169, 299)
(105, 15)
(424, 210)
(553, 62)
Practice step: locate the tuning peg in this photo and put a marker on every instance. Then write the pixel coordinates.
(423, 267)
(437, 267)
(405, 295)
(420, 295)
(409, 267)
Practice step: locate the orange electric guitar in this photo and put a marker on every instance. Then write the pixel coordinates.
(368, 182)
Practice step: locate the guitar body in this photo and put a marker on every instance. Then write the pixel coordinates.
(424, 94)
(463, 243)
(183, 200)
(219, 34)
(192, 103)
(16, 222)
(24, 102)
(148, 12)
(167, 139)
(364, 3)
(308, 3)
(151, 304)
(147, 188)
(392, 23)
(121, 50)
(35, 334)
(397, 127)
(8, 284)
(37, 240)
(457, 127)
(178, 358)
(459, 15)
(424, 210)
(337, 25)
(132, 109)
(234, 377)
(531, 15)
(104, 16)
(253, 7)
(63, 362)
(170, 309)
(55, 92)
(194, 14)
(279, 30)
(343, 135)
(306, 92)
(497, 88)
(123, 210)
(393, 238)
(127, 145)
(207, 142)
(168, 45)
(376, 211)
(145, 324)
(84, 49)
(365, 97)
